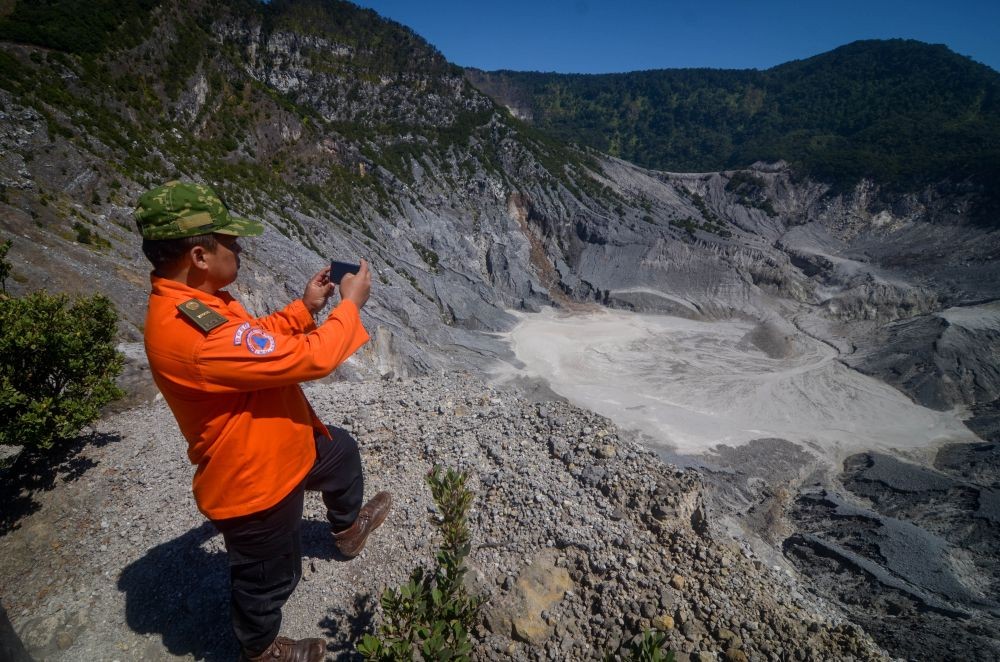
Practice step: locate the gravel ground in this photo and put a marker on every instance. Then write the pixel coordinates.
(581, 538)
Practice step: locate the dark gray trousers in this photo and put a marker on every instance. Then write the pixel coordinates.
(265, 549)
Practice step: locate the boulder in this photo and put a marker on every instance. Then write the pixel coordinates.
(539, 588)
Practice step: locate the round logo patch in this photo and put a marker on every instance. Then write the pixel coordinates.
(259, 342)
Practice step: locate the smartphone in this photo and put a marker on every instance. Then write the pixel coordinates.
(340, 269)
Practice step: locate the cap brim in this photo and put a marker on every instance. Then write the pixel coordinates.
(241, 227)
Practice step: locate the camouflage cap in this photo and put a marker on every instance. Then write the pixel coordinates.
(185, 209)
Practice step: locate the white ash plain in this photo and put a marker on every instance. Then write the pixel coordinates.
(691, 385)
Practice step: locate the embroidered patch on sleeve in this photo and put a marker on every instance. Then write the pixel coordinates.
(259, 342)
(238, 335)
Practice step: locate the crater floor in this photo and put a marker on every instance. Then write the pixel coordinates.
(691, 385)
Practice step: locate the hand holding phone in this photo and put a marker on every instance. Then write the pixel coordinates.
(318, 291)
(340, 269)
(356, 287)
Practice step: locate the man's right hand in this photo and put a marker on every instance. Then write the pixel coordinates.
(357, 287)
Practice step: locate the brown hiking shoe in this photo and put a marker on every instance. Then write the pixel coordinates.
(351, 541)
(290, 650)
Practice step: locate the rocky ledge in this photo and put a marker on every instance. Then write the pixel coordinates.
(581, 539)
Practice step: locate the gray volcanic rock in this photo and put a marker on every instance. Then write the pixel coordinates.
(979, 463)
(947, 358)
(916, 544)
(581, 538)
(985, 420)
(773, 338)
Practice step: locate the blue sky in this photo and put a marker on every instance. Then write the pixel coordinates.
(600, 36)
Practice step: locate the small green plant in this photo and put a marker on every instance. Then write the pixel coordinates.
(647, 649)
(58, 365)
(85, 235)
(429, 617)
(430, 257)
(752, 191)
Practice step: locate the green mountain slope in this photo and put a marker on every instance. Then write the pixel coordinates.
(904, 113)
(347, 133)
(183, 89)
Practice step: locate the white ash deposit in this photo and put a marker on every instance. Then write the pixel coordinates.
(691, 385)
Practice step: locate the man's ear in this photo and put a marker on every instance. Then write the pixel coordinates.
(197, 255)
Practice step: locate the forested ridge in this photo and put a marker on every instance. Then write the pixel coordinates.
(901, 112)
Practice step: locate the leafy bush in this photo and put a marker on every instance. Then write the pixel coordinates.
(58, 364)
(647, 649)
(745, 183)
(427, 255)
(433, 612)
(85, 235)
(752, 191)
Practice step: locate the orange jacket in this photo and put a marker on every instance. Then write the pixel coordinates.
(235, 393)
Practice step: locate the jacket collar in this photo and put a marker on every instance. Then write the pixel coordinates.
(173, 289)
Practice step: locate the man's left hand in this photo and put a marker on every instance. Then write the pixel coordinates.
(318, 290)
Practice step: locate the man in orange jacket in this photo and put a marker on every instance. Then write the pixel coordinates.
(232, 382)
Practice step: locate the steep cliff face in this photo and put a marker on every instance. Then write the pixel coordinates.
(351, 137)
(342, 147)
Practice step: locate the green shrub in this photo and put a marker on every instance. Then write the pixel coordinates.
(752, 192)
(427, 255)
(649, 648)
(432, 613)
(58, 364)
(85, 235)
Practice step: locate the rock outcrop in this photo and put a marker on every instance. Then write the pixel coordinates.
(581, 538)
